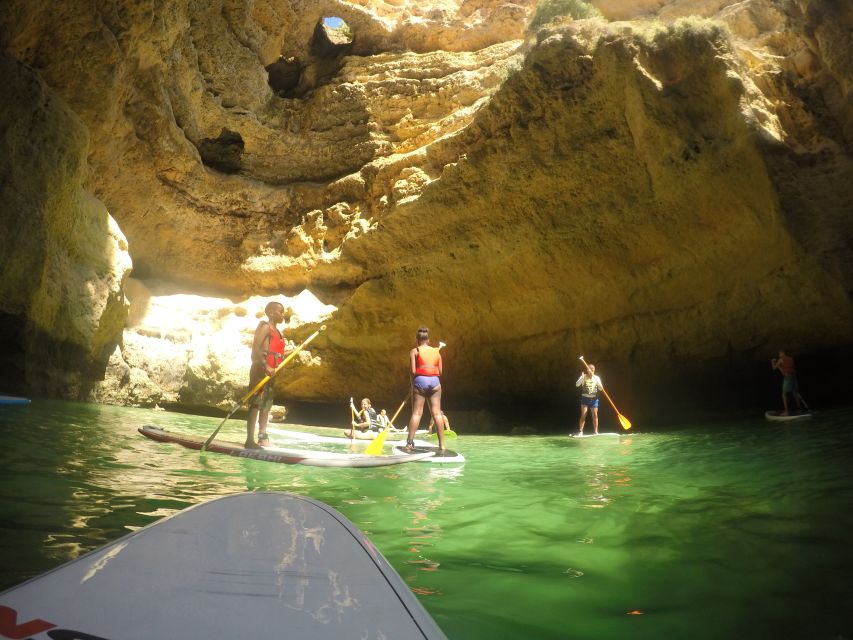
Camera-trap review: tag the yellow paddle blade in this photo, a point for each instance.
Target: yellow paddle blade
(626, 424)
(375, 447)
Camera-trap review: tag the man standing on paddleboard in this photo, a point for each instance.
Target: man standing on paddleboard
(785, 365)
(268, 351)
(589, 396)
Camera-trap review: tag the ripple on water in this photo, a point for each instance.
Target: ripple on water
(656, 535)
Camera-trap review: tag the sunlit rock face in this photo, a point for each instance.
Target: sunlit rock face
(62, 256)
(190, 351)
(669, 198)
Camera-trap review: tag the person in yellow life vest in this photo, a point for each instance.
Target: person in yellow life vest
(426, 369)
(268, 351)
(590, 386)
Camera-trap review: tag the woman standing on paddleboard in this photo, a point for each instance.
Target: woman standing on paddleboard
(425, 366)
(591, 383)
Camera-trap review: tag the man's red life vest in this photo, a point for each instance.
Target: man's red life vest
(786, 366)
(275, 348)
(427, 361)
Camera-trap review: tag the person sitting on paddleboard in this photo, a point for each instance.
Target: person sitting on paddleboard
(368, 419)
(268, 351)
(365, 420)
(432, 423)
(785, 365)
(426, 369)
(385, 421)
(591, 384)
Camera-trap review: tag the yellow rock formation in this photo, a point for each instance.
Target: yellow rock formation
(62, 255)
(668, 193)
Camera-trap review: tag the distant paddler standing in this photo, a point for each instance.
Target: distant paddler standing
(784, 364)
(589, 398)
(590, 385)
(426, 369)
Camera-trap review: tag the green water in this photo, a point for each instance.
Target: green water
(736, 530)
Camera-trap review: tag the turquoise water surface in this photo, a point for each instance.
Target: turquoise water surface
(724, 530)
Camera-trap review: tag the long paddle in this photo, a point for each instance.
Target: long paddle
(626, 424)
(261, 384)
(375, 446)
(352, 419)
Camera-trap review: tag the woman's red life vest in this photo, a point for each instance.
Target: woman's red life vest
(275, 348)
(427, 361)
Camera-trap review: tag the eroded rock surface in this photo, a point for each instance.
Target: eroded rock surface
(668, 195)
(62, 257)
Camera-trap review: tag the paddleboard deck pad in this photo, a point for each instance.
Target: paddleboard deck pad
(276, 454)
(776, 416)
(249, 565)
(436, 455)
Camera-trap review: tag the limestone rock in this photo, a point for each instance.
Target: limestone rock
(657, 193)
(182, 350)
(63, 257)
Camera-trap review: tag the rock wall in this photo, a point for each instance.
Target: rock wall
(62, 256)
(189, 351)
(669, 196)
(617, 201)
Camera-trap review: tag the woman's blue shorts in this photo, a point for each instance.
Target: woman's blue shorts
(426, 385)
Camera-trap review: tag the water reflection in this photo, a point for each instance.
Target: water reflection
(601, 531)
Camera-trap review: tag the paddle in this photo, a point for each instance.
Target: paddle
(626, 424)
(261, 384)
(375, 447)
(352, 419)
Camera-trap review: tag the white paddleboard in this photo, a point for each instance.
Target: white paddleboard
(250, 565)
(303, 436)
(776, 416)
(278, 454)
(606, 436)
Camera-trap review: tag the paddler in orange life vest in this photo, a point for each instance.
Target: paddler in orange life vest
(590, 385)
(425, 366)
(268, 351)
(785, 365)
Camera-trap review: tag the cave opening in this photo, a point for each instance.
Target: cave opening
(223, 153)
(332, 35)
(295, 77)
(284, 74)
